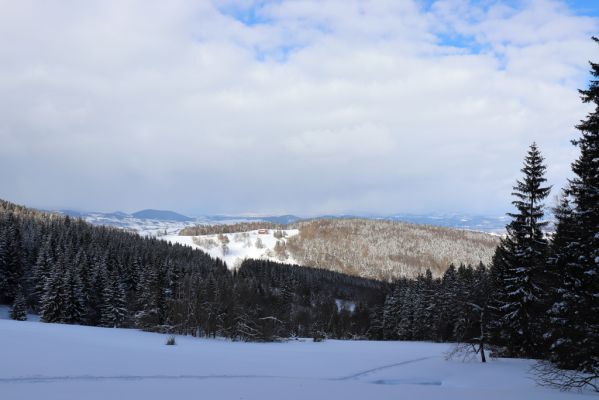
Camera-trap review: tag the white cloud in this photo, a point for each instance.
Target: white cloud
(326, 107)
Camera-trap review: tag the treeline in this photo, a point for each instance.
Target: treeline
(71, 272)
(219, 229)
(446, 309)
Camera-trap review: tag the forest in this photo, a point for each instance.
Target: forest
(375, 249)
(386, 250)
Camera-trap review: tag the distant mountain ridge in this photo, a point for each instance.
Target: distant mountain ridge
(161, 215)
(155, 222)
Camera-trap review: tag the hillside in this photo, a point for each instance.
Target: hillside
(368, 248)
(236, 246)
(72, 272)
(386, 249)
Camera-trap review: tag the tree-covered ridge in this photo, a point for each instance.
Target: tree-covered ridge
(76, 273)
(72, 272)
(387, 250)
(199, 230)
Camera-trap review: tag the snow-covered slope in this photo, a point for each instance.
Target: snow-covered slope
(239, 246)
(53, 361)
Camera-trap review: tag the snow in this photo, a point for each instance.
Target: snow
(54, 361)
(241, 245)
(345, 305)
(156, 227)
(144, 227)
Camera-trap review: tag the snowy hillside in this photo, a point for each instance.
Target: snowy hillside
(54, 361)
(233, 248)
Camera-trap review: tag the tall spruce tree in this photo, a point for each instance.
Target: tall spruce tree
(447, 310)
(74, 308)
(41, 269)
(114, 310)
(52, 301)
(575, 312)
(564, 333)
(521, 261)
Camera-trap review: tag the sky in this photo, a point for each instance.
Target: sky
(288, 106)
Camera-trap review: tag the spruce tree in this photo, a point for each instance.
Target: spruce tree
(52, 301)
(424, 307)
(19, 308)
(41, 269)
(447, 310)
(405, 326)
(521, 259)
(11, 268)
(73, 297)
(391, 313)
(114, 310)
(564, 332)
(575, 312)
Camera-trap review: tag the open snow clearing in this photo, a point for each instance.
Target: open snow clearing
(54, 361)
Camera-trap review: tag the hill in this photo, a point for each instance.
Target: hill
(376, 249)
(387, 249)
(161, 215)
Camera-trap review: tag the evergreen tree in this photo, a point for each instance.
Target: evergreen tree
(19, 308)
(74, 308)
(575, 312)
(11, 268)
(52, 301)
(391, 309)
(93, 296)
(424, 307)
(405, 326)
(521, 260)
(447, 310)
(41, 269)
(114, 309)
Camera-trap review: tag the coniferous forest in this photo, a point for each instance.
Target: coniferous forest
(539, 298)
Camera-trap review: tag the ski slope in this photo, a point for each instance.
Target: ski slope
(241, 245)
(53, 361)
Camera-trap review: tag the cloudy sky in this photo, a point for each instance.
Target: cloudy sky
(287, 106)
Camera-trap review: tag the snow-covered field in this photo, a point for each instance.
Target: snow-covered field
(52, 361)
(240, 245)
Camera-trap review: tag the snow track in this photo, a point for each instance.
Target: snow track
(44, 379)
(384, 367)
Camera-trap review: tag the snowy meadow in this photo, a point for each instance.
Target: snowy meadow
(56, 361)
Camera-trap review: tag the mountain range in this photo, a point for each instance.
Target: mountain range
(160, 222)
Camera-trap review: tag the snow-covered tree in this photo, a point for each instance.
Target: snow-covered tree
(73, 303)
(19, 307)
(114, 309)
(42, 268)
(521, 257)
(574, 331)
(52, 301)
